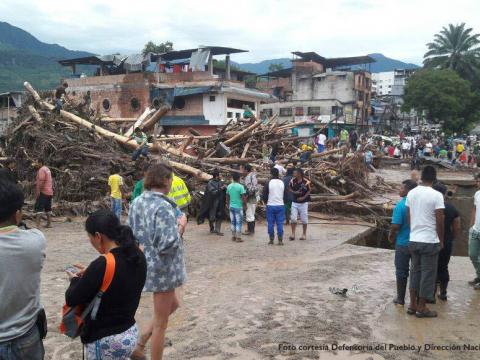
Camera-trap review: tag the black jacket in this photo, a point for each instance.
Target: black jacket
(116, 313)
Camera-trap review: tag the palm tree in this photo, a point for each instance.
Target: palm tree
(457, 49)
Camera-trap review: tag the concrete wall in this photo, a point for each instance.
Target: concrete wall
(214, 111)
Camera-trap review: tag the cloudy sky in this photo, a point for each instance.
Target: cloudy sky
(268, 28)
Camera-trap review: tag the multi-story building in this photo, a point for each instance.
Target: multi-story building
(391, 83)
(320, 89)
(200, 94)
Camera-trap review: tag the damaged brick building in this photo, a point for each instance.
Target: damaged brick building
(201, 94)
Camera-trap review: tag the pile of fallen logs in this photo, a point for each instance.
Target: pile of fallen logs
(80, 154)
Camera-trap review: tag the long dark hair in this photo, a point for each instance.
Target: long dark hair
(105, 222)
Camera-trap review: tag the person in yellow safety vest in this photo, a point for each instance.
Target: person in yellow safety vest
(179, 193)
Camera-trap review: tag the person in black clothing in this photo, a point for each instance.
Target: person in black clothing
(213, 204)
(114, 332)
(452, 231)
(8, 172)
(60, 95)
(287, 195)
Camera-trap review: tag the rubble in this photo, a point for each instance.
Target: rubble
(80, 154)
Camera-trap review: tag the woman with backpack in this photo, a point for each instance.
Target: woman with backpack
(109, 331)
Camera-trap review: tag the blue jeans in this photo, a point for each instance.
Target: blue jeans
(25, 347)
(117, 208)
(402, 262)
(275, 215)
(236, 220)
(320, 148)
(142, 150)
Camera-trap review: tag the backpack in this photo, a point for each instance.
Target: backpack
(73, 318)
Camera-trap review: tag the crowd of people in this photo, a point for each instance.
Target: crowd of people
(147, 253)
(424, 227)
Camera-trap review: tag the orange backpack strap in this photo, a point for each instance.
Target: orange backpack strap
(109, 272)
(107, 280)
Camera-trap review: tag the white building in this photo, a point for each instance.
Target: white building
(390, 82)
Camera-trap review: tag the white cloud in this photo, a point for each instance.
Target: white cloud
(268, 28)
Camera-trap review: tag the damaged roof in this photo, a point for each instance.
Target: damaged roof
(333, 62)
(184, 54)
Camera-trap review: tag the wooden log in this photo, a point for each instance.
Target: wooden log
(118, 120)
(243, 133)
(21, 125)
(101, 131)
(139, 121)
(186, 143)
(231, 161)
(189, 170)
(244, 153)
(32, 92)
(155, 118)
(327, 153)
(194, 132)
(36, 116)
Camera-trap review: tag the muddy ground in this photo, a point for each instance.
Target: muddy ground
(243, 301)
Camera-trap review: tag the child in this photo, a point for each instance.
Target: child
(236, 200)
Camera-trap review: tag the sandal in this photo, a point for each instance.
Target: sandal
(303, 238)
(411, 311)
(138, 353)
(291, 238)
(426, 314)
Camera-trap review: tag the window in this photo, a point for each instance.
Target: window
(269, 112)
(106, 104)
(156, 103)
(229, 114)
(299, 111)
(314, 110)
(212, 98)
(238, 115)
(135, 104)
(337, 110)
(238, 104)
(286, 111)
(179, 103)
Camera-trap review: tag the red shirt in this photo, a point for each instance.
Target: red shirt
(44, 181)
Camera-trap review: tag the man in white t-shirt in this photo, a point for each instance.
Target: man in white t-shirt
(474, 237)
(426, 215)
(281, 170)
(320, 140)
(273, 193)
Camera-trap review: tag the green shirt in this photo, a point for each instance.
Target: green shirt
(140, 139)
(137, 190)
(344, 135)
(235, 191)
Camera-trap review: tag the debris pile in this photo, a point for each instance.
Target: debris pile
(80, 155)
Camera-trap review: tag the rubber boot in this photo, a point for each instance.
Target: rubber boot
(218, 227)
(443, 291)
(253, 227)
(401, 290)
(272, 237)
(212, 227)
(249, 229)
(280, 240)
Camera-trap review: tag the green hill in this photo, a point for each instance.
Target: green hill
(24, 58)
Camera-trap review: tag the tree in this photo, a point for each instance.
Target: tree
(275, 67)
(158, 49)
(457, 49)
(445, 97)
